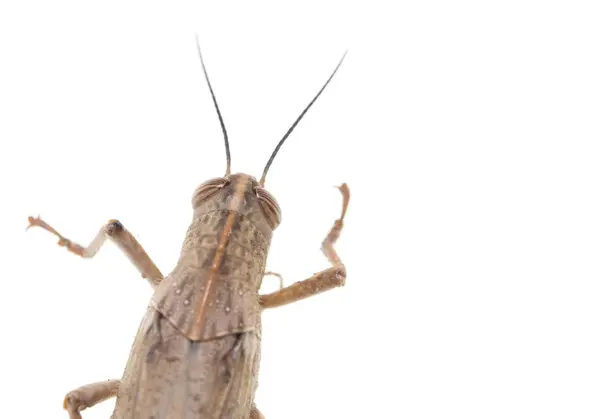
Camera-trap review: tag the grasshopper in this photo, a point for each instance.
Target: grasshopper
(197, 350)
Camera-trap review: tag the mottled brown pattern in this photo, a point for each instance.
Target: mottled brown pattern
(233, 304)
(169, 376)
(178, 370)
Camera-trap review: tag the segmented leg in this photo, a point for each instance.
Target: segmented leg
(321, 281)
(89, 395)
(277, 275)
(115, 231)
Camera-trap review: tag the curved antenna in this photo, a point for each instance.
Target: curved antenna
(228, 171)
(264, 175)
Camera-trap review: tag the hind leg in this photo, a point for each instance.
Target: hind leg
(89, 395)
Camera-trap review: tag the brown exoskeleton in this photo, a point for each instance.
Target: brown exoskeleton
(196, 353)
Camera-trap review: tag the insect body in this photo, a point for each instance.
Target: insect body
(196, 353)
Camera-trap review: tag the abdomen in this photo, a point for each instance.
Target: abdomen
(171, 377)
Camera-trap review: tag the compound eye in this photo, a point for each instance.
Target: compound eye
(269, 206)
(208, 189)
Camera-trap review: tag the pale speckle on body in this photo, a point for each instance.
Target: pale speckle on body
(209, 372)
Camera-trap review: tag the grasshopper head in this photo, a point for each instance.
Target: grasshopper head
(237, 192)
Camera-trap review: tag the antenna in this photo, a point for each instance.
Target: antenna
(264, 175)
(228, 170)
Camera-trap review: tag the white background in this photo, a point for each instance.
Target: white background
(468, 134)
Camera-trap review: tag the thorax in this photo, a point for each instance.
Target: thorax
(213, 290)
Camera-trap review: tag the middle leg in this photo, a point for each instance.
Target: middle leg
(319, 282)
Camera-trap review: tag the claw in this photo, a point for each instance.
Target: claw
(62, 241)
(32, 222)
(346, 196)
(278, 276)
(37, 221)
